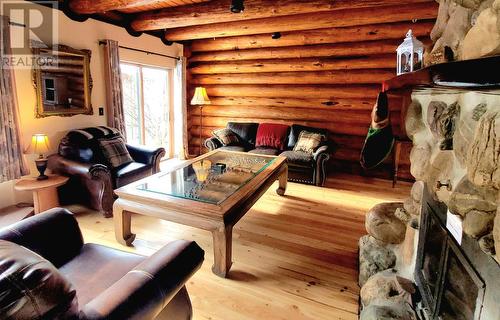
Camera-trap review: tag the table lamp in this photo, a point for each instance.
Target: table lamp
(40, 145)
(200, 98)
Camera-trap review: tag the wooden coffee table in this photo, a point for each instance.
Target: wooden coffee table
(215, 200)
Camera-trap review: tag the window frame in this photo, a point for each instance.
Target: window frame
(170, 79)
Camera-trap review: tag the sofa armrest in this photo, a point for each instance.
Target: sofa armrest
(148, 156)
(320, 151)
(212, 143)
(69, 167)
(53, 234)
(144, 291)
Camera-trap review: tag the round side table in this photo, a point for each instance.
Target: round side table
(44, 191)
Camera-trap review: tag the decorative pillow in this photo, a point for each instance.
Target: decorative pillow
(296, 129)
(308, 142)
(272, 135)
(115, 151)
(227, 137)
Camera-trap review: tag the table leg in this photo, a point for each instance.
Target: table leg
(283, 181)
(45, 199)
(122, 220)
(223, 240)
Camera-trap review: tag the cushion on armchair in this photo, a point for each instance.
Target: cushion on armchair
(115, 151)
(308, 142)
(272, 135)
(83, 144)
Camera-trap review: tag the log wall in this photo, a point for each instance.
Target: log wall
(325, 77)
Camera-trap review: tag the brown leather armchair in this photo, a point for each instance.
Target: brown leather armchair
(47, 272)
(92, 180)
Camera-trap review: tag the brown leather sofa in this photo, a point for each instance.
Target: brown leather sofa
(47, 272)
(92, 180)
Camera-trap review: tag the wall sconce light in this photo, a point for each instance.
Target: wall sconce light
(237, 6)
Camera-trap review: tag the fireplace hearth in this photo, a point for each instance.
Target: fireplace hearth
(455, 281)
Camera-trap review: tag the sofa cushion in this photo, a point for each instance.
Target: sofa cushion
(295, 131)
(272, 135)
(299, 158)
(115, 151)
(246, 131)
(227, 137)
(31, 287)
(308, 142)
(265, 151)
(233, 148)
(131, 172)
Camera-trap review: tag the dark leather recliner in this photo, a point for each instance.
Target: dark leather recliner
(302, 167)
(47, 272)
(92, 180)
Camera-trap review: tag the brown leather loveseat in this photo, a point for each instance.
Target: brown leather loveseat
(47, 272)
(92, 179)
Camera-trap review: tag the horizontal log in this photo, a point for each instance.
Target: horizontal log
(308, 103)
(288, 65)
(334, 128)
(295, 91)
(286, 113)
(128, 6)
(315, 77)
(319, 36)
(216, 11)
(308, 21)
(349, 49)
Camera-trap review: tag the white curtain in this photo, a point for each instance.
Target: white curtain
(180, 110)
(114, 98)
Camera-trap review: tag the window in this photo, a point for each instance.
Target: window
(147, 105)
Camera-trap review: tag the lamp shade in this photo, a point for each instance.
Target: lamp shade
(200, 97)
(39, 144)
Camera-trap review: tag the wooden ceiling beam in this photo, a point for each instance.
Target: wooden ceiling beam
(100, 6)
(309, 21)
(217, 11)
(319, 36)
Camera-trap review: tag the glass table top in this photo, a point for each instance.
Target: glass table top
(212, 179)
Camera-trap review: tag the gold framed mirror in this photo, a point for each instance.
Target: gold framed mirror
(62, 81)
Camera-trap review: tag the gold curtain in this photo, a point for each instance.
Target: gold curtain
(114, 98)
(12, 162)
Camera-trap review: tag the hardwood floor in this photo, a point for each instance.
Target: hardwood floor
(295, 257)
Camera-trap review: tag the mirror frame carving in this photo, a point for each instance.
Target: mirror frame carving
(87, 81)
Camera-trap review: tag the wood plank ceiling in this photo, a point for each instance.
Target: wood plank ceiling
(324, 71)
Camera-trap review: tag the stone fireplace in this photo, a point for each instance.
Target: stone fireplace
(456, 281)
(436, 256)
